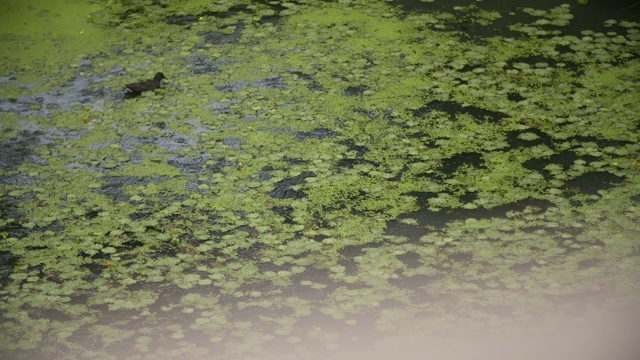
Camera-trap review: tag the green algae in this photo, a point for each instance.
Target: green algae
(198, 234)
(56, 36)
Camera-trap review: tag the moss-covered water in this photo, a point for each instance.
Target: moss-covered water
(312, 178)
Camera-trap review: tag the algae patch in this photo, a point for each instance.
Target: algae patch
(310, 170)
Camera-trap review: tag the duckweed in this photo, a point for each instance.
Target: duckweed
(308, 169)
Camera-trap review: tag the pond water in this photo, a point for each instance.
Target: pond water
(350, 179)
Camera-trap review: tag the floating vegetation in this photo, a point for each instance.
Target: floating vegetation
(310, 172)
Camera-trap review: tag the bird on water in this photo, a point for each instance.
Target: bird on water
(146, 85)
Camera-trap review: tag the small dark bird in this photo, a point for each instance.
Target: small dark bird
(146, 85)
